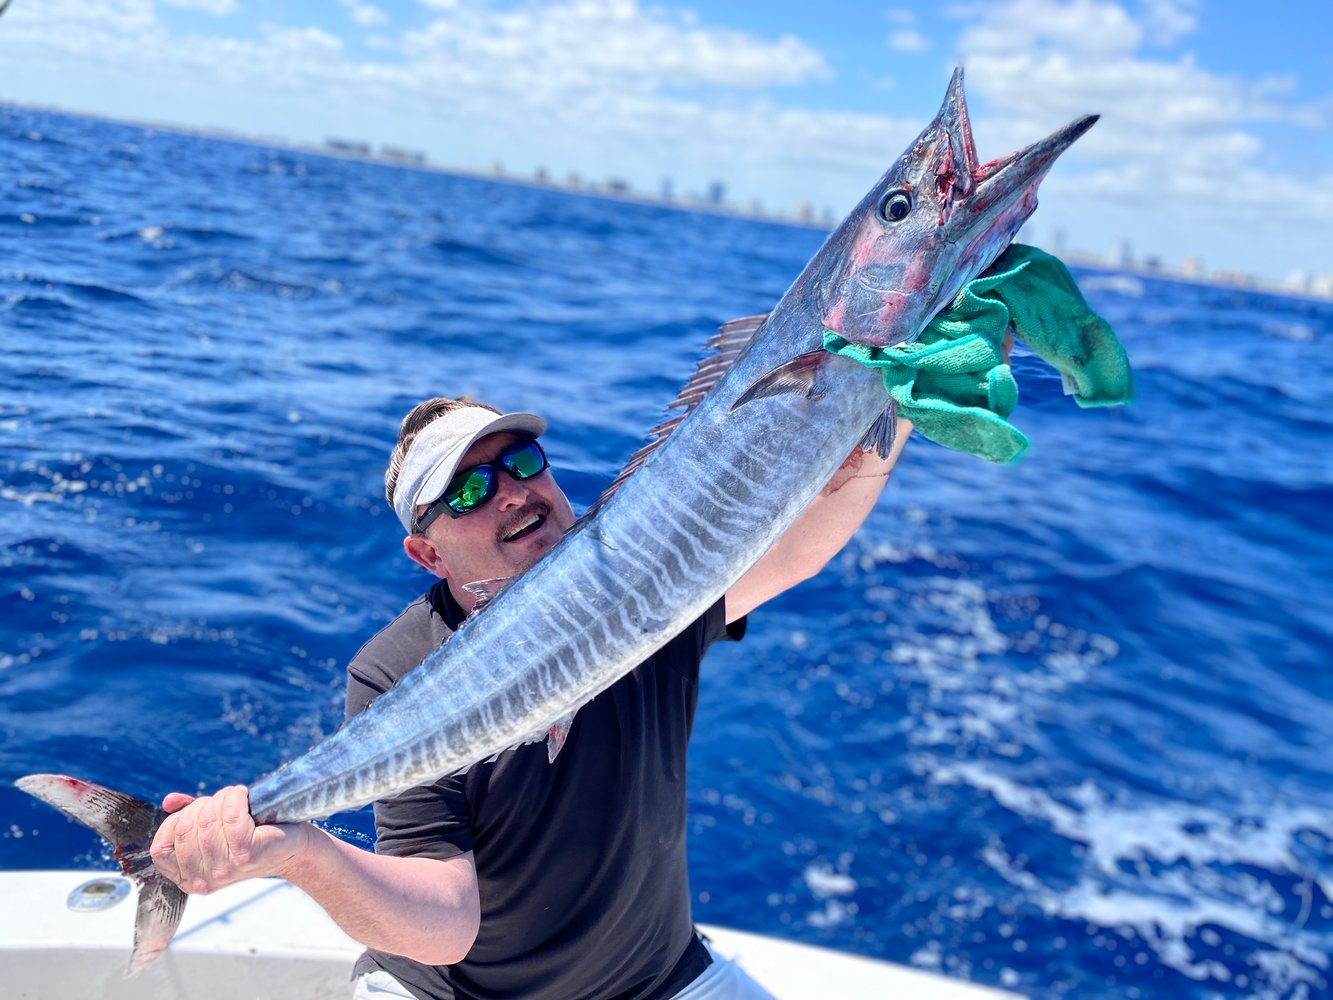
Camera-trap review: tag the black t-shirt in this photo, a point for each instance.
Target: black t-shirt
(581, 862)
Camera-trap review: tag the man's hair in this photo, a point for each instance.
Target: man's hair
(412, 425)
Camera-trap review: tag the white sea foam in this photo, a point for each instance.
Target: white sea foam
(828, 885)
(1299, 332)
(823, 881)
(1120, 284)
(1178, 881)
(1170, 874)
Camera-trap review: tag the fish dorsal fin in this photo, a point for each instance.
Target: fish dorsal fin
(728, 343)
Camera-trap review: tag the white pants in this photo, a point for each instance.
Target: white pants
(723, 980)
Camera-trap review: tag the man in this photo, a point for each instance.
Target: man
(520, 877)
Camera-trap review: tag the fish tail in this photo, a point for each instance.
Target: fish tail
(128, 824)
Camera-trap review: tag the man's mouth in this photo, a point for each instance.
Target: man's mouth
(527, 523)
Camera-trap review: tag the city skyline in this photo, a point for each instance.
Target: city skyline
(1214, 143)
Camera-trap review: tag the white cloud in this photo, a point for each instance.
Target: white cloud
(1034, 27)
(1168, 21)
(365, 14)
(908, 40)
(218, 8)
(608, 43)
(1172, 133)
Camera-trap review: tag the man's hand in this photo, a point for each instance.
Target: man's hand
(425, 909)
(211, 842)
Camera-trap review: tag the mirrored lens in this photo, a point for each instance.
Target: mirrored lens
(524, 460)
(470, 490)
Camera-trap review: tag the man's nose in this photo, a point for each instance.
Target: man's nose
(510, 493)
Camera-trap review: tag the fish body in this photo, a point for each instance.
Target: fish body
(768, 423)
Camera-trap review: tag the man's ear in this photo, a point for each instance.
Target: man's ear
(423, 552)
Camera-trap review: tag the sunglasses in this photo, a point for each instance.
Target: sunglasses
(474, 486)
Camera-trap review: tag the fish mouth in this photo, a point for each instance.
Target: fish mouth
(971, 193)
(526, 522)
(1017, 174)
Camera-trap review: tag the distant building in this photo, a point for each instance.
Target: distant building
(542, 176)
(1192, 267)
(668, 190)
(617, 185)
(1120, 254)
(396, 154)
(347, 147)
(1229, 277)
(717, 193)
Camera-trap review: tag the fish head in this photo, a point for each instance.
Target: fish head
(936, 219)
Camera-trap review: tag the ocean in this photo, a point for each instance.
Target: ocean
(1064, 726)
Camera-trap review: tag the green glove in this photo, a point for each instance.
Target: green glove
(952, 382)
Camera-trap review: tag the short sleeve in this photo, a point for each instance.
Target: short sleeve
(429, 821)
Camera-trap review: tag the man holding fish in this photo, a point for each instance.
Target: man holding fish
(524, 876)
(509, 868)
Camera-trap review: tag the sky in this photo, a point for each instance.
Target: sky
(1215, 142)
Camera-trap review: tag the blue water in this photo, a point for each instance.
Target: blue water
(1063, 726)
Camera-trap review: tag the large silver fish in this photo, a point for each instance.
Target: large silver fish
(767, 422)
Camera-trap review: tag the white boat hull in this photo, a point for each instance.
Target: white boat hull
(265, 940)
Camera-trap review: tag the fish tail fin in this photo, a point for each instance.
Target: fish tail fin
(129, 824)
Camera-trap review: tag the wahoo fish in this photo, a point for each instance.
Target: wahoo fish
(765, 422)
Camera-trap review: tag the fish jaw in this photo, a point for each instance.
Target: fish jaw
(936, 219)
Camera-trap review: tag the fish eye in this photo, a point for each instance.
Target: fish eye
(895, 206)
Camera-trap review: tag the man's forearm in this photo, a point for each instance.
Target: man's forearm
(420, 908)
(821, 530)
(825, 527)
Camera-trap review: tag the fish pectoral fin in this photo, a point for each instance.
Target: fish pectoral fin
(800, 376)
(556, 735)
(882, 432)
(485, 591)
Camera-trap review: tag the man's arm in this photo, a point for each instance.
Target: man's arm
(821, 530)
(424, 909)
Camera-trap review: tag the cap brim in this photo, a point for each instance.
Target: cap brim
(434, 484)
(431, 483)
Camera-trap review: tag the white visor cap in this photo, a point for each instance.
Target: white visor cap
(439, 447)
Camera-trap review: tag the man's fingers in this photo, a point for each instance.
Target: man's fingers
(238, 829)
(164, 850)
(214, 862)
(176, 801)
(186, 842)
(212, 841)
